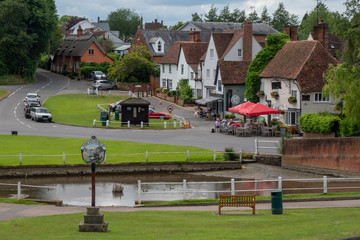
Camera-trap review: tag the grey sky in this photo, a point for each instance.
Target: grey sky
(172, 11)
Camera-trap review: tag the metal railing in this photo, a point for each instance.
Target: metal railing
(185, 190)
(21, 186)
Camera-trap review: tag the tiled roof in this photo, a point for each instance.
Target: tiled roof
(102, 25)
(221, 41)
(134, 101)
(233, 72)
(304, 61)
(172, 55)
(194, 51)
(236, 36)
(76, 46)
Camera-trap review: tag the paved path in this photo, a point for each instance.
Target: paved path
(11, 211)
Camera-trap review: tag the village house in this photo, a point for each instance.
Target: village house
(76, 49)
(293, 80)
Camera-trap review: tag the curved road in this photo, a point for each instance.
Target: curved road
(49, 84)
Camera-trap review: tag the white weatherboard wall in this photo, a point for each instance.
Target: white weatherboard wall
(156, 43)
(167, 75)
(187, 69)
(232, 55)
(210, 64)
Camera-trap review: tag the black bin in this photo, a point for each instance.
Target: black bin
(103, 118)
(276, 202)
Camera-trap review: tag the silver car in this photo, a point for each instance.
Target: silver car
(40, 114)
(97, 75)
(32, 97)
(104, 84)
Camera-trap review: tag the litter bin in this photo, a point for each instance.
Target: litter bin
(103, 118)
(276, 202)
(117, 115)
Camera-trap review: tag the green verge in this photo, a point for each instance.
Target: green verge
(2, 93)
(334, 223)
(258, 198)
(38, 145)
(21, 201)
(82, 109)
(12, 80)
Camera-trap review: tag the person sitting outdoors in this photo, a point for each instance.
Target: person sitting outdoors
(231, 122)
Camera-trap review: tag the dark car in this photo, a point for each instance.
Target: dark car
(28, 106)
(97, 75)
(153, 114)
(115, 106)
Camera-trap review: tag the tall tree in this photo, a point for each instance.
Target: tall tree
(125, 21)
(353, 11)
(274, 43)
(238, 16)
(177, 26)
(196, 17)
(253, 16)
(225, 14)
(212, 15)
(265, 17)
(282, 17)
(25, 31)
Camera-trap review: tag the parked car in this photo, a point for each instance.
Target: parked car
(40, 114)
(115, 106)
(153, 114)
(104, 84)
(97, 75)
(32, 97)
(28, 106)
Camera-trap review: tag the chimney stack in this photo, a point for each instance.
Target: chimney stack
(104, 42)
(247, 40)
(321, 33)
(98, 19)
(67, 32)
(79, 31)
(194, 36)
(291, 31)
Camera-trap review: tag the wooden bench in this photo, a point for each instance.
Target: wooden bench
(236, 201)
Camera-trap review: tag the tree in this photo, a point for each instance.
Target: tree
(196, 17)
(281, 17)
(135, 66)
(125, 21)
(25, 29)
(238, 16)
(265, 17)
(253, 17)
(212, 16)
(274, 43)
(177, 26)
(225, 14)
(353, 11)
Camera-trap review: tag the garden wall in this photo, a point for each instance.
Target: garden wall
(340, 154)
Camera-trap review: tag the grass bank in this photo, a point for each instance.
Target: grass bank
(13, 80)
(46, 146)
(2, 93)
(82, 109)
(302, 224)
(21, 201)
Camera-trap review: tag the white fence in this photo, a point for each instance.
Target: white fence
(189, 188)
(259, 142)
(21, 186)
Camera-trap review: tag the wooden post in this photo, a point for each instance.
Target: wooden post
(93, 184)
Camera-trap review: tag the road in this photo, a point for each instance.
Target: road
(49, 84)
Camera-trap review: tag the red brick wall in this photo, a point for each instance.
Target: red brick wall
(98, 56)
(341, 154)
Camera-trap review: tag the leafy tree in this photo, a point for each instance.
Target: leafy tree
(125, 21)
(25, 29)
(238, 16)
(274, 43)
(225, 14)
(108, 43)
(353, 11)
(253, 17)
(212, 15)
(265, 17)
(135, 66)
(196, 17)
(282, 17)
(184, 89)
(177, 26)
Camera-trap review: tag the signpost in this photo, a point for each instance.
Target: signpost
(93, 152)
(170, 109)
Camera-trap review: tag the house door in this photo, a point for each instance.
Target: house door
(228, 99)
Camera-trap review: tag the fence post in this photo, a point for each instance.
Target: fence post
(240, 155)
(280, 183)
(256, 185)
(107, 123)
(184, 189)
(105, 158)
(19, 191)
(94, 122)
(147, 156)
(232, 186)
(141, 124)
(181, 124)
(325, 184)
(214, 155)
(174, 124)
(20, 159)
(164, 124)
(63, 158)
(188, 155)
(88, 91)
(128, 124)
(256, 147)
(57, 193)
(139, 192)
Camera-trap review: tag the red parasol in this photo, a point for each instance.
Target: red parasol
(241, 107)
(259, 109)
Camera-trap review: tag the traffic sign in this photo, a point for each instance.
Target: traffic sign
(170, 109)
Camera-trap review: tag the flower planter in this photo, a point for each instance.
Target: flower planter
(260, 93)
(292, 100)
(274, 94)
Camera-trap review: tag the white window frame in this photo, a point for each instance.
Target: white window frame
(170, 84)
(219, 85)
(159, 46)
(91, 51)
(164, 83)
(207, 72)
(239, 52)
(163, 68)
(169, 68)
(319, 98)
(211, 53)
(182, 69)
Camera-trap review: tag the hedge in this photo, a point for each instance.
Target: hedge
(319, 123)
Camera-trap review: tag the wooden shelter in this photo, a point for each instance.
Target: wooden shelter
(135, 110)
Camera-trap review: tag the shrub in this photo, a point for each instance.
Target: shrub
(158, 90)
(280, 145)
(319, 123)
(164, 90)
(347, 128)
(230, 155)
(171, 93)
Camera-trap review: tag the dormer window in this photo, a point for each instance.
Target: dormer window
(159, 46)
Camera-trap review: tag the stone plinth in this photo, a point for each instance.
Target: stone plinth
(93, 221)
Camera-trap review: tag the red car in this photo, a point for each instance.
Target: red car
(158, 115)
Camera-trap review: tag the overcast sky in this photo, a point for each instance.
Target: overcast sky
(173, 11)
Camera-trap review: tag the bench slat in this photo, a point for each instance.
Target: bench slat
(237, 201)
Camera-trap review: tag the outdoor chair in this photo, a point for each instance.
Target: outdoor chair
(230, 129)
(239, 131)
(247, 130)
(265, 131)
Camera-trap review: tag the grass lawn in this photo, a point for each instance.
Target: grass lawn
(15, 201)
(82, 109)
(335, 223)
(12, 80)
(16, 144)
(2, 92)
